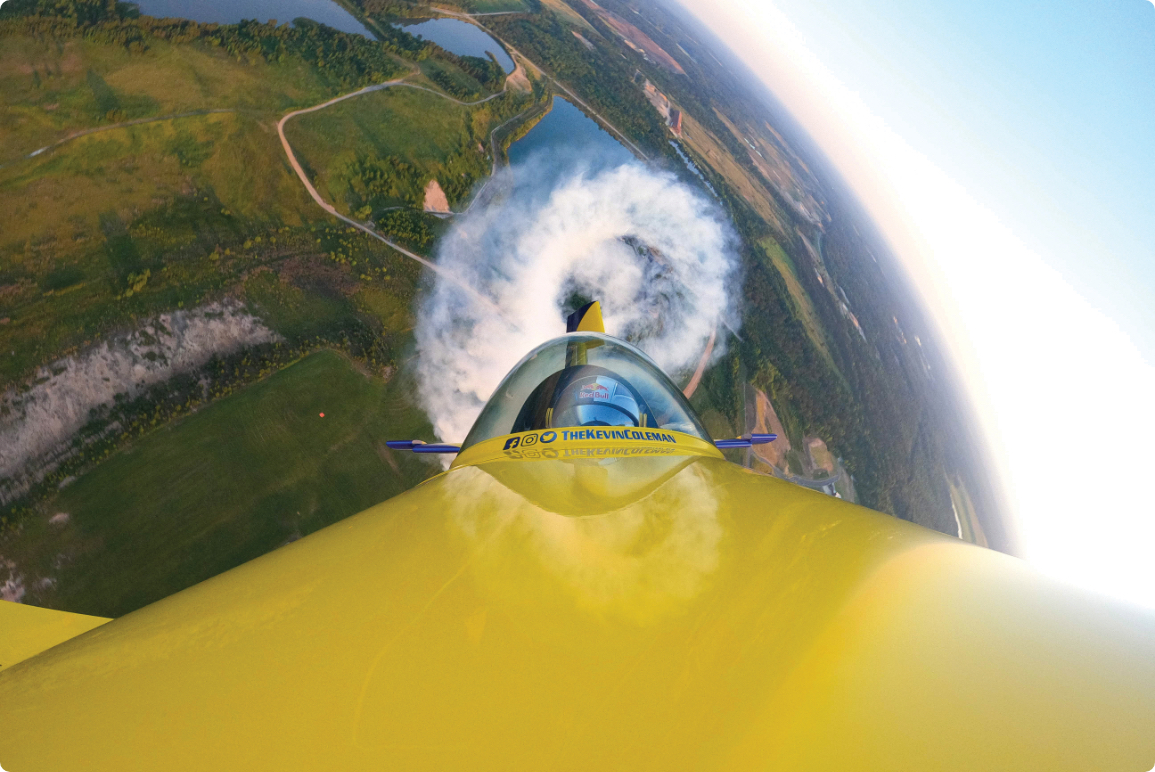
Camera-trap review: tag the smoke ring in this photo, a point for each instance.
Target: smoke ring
(659, 256)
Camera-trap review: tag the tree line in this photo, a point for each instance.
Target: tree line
(601, 76)
(350, 59)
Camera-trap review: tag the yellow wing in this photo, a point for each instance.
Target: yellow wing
(26, 630)
(651, 611)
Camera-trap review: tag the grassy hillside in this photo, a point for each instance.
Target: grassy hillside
(161, 197)
(139, 211)
(181, 210)
(138, 208)
(81, 82)
(380, 150)
(176, 209)
(241, 477)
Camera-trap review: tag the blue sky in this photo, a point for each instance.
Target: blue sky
(1007, 153)
(1047, 109)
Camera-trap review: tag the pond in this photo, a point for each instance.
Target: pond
(232, 11)
(566, 132)
(459, 37)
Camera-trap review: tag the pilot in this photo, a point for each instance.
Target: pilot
(599, 401)
(583, 395)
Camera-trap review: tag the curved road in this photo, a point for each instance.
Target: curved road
(359, 226)
(300, 172)
(694, 381)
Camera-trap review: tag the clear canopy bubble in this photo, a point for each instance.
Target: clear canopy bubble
(585, 379)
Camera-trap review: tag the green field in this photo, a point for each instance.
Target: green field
(197, 201)
(802, 302)
(241, 477)
(421, 127)
(494, 6)
(50, 91)
(183, 210)
(381, 149)
(57, 199)
(163, 197)
(129, 221)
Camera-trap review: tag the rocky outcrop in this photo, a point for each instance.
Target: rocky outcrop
(38, 420)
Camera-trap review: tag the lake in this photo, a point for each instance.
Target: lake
(567, 131)
(455, 36)
(459, 37)
(232, 11)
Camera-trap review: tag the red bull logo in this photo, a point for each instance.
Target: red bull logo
(594, 391)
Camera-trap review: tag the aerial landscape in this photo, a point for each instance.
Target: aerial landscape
(572, 384)
(238, 253)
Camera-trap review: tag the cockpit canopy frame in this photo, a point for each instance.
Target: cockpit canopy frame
(585, 376)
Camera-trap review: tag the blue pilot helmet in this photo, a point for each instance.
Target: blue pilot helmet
(597, 400)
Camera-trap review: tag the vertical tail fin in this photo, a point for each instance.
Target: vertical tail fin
(588, 318)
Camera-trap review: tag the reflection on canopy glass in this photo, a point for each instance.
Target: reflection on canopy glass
(585, 379)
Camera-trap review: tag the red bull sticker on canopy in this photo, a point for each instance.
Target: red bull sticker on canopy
(594, 391)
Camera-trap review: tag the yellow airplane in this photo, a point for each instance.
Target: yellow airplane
(590, 586)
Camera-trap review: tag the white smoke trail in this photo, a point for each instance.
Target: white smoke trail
(530, 252)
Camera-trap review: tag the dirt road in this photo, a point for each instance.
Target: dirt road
(360, 226)
(121, 125)
(692, 386)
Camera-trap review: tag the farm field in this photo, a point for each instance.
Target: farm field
(245, 475)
